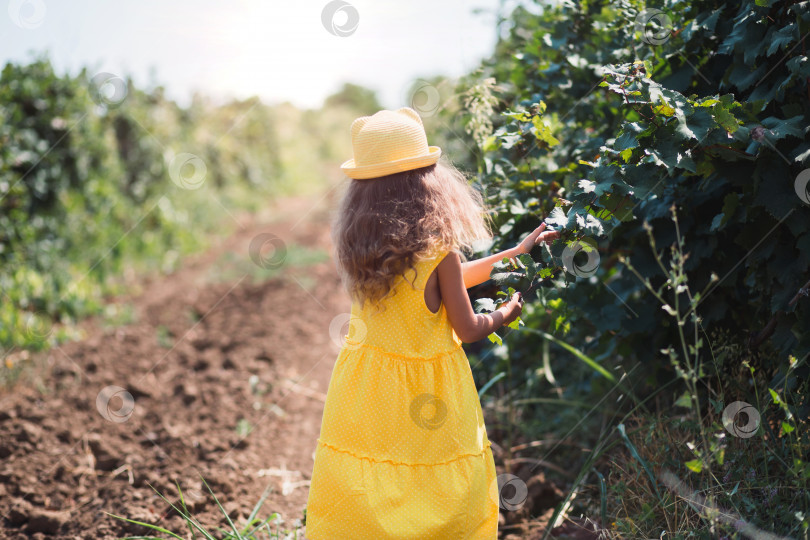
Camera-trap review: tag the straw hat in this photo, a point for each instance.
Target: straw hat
(388, 142)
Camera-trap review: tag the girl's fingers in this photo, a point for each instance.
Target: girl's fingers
(545, 237)
(535, 233)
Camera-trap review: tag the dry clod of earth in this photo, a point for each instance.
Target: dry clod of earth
(204, 366)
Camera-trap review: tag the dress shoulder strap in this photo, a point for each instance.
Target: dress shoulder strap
(424, 268)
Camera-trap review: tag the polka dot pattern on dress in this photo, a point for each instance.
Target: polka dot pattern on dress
(403, 451)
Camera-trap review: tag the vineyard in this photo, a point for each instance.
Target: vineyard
(670, 146)
(657, 384)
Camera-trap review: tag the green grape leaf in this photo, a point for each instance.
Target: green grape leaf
(485, 305)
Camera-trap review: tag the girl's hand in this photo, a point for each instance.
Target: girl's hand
(537, 236)
(513, 308)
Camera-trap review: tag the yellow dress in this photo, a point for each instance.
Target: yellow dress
(403, 451)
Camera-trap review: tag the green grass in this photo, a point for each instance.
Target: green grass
(115, 315)
(657, 461)
(164, 337)
(254, 527)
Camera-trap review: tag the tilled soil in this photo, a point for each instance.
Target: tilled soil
(223, 381)
(217, 380)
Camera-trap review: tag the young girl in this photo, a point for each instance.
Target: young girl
(403, 451)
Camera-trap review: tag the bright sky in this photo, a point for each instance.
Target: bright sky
(277, 50)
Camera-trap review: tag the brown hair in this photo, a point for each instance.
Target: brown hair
(385, 225)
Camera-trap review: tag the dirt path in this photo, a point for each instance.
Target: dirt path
(222, 375)
(227, 381)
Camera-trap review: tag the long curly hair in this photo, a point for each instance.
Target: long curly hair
(385, 225)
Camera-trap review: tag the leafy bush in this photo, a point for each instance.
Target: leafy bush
(611, 118)
(631, 145)
(101, 181)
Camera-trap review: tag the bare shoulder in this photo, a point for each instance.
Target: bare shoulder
(449, 269)
(451, 260)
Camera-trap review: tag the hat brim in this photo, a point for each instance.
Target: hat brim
(383, 169)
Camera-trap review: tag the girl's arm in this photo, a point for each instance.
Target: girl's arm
(477, 271)
(468, 325)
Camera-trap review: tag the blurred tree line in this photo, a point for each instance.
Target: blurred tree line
(100, 180)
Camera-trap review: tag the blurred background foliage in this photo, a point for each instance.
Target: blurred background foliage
(87, 200)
